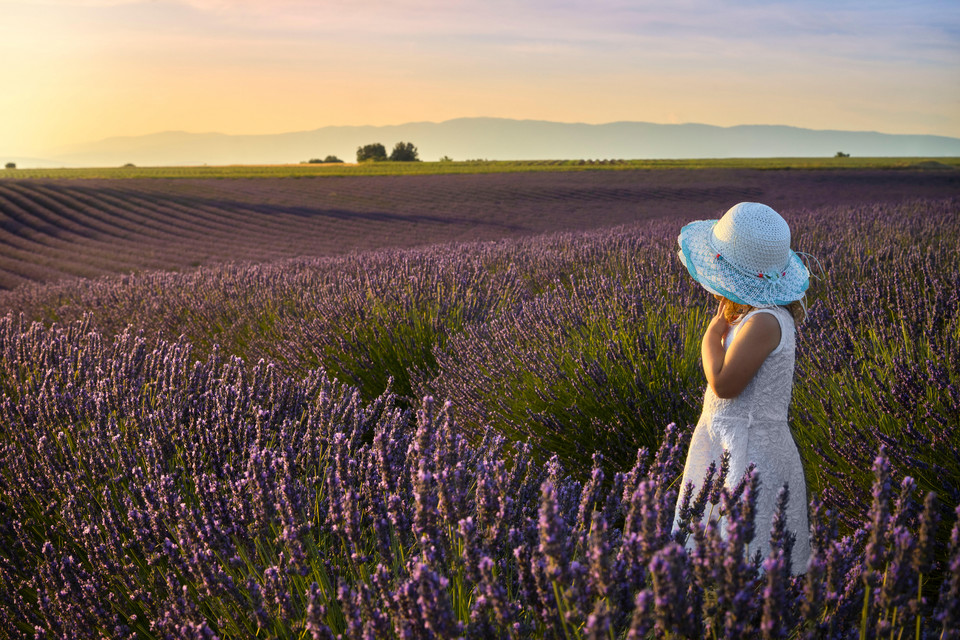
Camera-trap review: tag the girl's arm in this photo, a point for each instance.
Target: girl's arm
(730, 371)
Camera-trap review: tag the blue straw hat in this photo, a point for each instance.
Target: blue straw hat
(745, 256)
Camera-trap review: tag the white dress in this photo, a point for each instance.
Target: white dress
(753, 427)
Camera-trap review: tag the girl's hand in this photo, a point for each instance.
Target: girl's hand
(730, 370)
(719, 327)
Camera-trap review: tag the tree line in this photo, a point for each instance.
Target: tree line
(376, 152)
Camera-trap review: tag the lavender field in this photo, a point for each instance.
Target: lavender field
(53, 229)
(480, 437)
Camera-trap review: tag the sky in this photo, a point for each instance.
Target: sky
(84, 70)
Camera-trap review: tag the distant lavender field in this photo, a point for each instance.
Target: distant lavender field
(54, 229)
(482, 439)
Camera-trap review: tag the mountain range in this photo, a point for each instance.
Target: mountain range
(498, 139)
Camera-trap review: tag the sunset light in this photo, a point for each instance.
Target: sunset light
(80, 71)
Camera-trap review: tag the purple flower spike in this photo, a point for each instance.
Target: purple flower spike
(670, 575)
(598, 622)
(718, 482)
(553, 535)
(948, 606)
(599, 557)
(316, 612)
(776, 622)
(643, 618)
(876, 554)
(782, 538)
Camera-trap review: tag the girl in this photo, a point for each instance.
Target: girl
(745, 260)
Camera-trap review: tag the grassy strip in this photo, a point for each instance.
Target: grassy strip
(481, 166)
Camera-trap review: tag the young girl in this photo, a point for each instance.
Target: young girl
(745, 260)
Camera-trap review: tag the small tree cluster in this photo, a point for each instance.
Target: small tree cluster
(327, 160)
(376, 152)
(11, 165)
(404, 152)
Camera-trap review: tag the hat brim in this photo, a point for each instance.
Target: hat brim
(718, 276)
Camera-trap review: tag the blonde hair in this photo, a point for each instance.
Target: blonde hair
(734, 311)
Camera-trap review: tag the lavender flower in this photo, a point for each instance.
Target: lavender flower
(554, 544)
(153, 485)
(948, 604)
(670, 577)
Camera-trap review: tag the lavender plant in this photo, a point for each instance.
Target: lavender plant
(164, 487)
(147, 493)
(593, 334)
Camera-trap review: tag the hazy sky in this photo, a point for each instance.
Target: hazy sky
(82, 70)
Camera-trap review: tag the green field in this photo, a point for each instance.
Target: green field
(479, 166)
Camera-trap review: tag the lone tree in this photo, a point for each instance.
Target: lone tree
(374, 152)
(841, 154)
(404, 152)
(11, 165)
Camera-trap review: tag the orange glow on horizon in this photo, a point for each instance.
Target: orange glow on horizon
(94, 69)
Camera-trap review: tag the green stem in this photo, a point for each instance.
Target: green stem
(919, 605)
(863, 614)
(563, 617)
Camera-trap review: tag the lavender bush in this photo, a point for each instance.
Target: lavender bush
(85, 223)
(164, 488)
(595, 335)
(149, 494)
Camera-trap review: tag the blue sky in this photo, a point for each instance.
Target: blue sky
(88, 69)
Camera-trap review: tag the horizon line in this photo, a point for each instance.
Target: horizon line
(519, 120)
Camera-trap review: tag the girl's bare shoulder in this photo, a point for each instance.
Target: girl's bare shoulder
(760, 330)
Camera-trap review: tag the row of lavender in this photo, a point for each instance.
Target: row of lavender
(588, 342)
(147, 494)
(583, 342)
(57, 229)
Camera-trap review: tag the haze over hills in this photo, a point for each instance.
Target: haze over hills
(498, 139)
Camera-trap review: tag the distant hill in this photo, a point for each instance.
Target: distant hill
(504, 139)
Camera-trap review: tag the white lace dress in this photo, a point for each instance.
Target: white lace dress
(753, 427)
